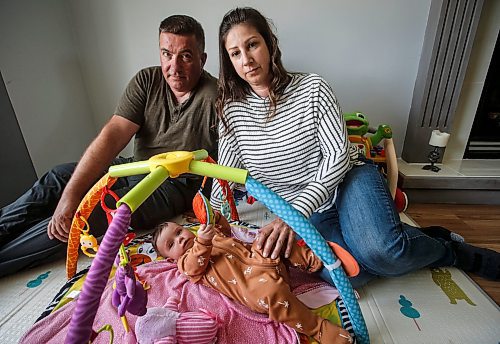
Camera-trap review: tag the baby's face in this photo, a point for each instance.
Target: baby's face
(174, 240)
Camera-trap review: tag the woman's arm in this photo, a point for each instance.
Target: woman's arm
(334, 144)
(227, 157)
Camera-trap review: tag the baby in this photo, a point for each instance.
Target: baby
(240, 271)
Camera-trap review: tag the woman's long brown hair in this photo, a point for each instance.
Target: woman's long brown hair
(231, 87)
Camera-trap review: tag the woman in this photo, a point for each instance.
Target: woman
(287, 130)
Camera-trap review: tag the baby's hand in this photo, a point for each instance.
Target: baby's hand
(206, 232)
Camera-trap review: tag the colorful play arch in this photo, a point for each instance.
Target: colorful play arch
(159, 168)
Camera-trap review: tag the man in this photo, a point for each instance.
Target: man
(167, 108)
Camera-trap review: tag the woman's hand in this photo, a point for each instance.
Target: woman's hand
(274, 236)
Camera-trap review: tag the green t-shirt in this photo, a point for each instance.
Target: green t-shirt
(164, 125)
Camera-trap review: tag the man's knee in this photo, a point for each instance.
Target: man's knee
(63, 170)
(57, 177)
(13, 262)
(30, 249)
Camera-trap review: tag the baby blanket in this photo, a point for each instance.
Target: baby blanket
(240, 324)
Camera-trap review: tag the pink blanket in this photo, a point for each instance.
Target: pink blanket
(240, 324)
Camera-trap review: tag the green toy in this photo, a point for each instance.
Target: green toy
(357, 128)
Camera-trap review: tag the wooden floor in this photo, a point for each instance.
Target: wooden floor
(478, 224)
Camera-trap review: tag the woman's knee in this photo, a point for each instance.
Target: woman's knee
(384, 259)
(364, 185)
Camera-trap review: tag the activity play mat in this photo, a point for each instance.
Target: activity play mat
(429, 306)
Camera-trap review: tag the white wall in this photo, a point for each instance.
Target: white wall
(368, 50)
(40, 67)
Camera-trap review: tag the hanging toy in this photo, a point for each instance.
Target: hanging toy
(202, 208)
(84, 210)
(129, 294)
(225, 208)
(228, 205)
(109, 211)
(88, 243)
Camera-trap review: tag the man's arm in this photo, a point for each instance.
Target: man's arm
(113, 137)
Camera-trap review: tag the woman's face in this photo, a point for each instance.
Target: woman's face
(250, 56)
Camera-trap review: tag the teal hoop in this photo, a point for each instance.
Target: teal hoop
(315, 241)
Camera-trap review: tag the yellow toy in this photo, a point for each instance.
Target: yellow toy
(88, 242)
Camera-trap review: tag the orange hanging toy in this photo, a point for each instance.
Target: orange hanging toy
(201, 207)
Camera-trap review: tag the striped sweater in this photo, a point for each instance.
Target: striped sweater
(302, 153)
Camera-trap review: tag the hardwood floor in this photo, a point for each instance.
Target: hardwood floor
(478, 224)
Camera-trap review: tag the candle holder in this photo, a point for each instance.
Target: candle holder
(438, 140)
(433, 158)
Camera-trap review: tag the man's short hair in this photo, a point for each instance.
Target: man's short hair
(184, 25)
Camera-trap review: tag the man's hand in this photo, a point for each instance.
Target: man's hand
(206, 232)
(113, 137)
(60, 223)
(274, 236)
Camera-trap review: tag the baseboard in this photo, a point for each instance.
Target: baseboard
(451, 189)
(486, 197)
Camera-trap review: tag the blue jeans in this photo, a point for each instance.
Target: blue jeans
(365, 222)
(24, 241)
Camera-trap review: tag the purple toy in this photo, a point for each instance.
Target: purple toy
(129, 294)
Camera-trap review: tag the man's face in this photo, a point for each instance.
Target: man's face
(174, 240)
(181, 61)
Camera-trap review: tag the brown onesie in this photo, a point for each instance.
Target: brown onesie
(240, 272)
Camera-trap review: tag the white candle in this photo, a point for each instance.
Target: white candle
(439, 139)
